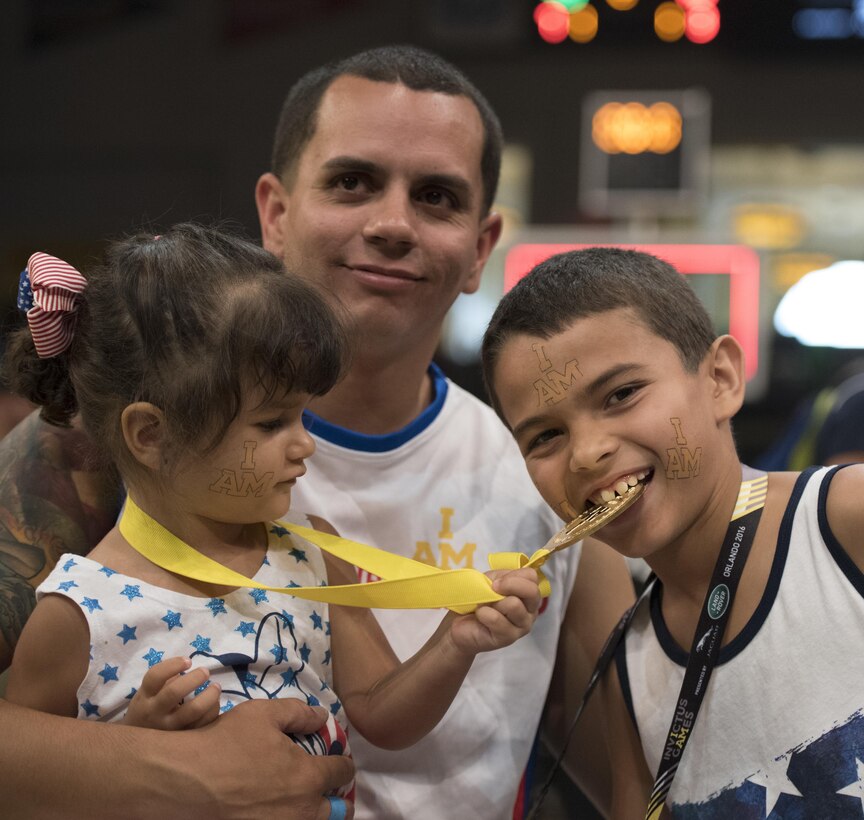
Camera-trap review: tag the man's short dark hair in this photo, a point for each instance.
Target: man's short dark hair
(412, 67)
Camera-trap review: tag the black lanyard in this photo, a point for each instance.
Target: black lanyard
(709, 634)
(703, 654)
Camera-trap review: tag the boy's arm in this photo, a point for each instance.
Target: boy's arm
(60, 767)
(631, 779)
(53, 499)
(603, 590)
(394, 704)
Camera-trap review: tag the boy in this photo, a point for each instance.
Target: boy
(605, 367)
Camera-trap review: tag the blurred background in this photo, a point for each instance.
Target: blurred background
(725, 135)
(728, 129)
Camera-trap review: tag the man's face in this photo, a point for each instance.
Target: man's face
(385, 207)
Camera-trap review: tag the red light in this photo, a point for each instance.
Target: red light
(702, 20)
(553, 22)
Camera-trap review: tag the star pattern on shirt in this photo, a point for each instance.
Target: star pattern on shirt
(90, 709)
(153, 656)
(131, 591)
(69, 564)
(127, 634)
(65, 586)
(279, 530)
(298, 555)
(107, 571)
(201, 644)
(305, 652)
(856, 788)
(290, 677)
(92, 604)
(259, 596)
(172, 619)
(108, 673)
(279, 653)
(287, 618)
(317, 622)
(776, 782)
(246, 628)
(216, 606)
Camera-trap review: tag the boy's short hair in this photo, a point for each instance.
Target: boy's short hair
(578, 284)
(412, 67)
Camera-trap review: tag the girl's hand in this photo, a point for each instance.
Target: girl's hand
(492, 626)
(158, 704)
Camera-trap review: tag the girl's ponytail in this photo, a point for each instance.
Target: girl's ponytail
(36, 362)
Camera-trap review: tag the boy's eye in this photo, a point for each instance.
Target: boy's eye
(540, 439)
(622, 394)
(269, 425)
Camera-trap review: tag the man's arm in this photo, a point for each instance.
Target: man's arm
(602, 592)
(55, 497)
(242, 765)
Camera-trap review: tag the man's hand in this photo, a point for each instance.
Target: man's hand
(244, 765)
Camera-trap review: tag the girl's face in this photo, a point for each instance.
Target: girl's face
(248, 476)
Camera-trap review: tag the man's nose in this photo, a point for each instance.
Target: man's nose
(392, 221)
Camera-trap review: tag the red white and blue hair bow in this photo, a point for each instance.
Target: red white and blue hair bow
(49, 291)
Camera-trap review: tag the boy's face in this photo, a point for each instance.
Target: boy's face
(608, 401)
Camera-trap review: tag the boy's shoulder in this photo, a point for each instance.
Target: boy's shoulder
(845, 511)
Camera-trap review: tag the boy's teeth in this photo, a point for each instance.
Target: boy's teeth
(619, 488)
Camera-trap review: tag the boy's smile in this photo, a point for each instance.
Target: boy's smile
(606, 403)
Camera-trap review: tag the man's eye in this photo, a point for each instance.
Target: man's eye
(348, 182)
(438, 198)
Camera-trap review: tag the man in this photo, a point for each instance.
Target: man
(385, 169)
(383, 175)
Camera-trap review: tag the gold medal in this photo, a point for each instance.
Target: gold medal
(592, 520)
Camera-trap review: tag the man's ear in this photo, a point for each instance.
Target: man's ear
(144, 432)
(490, 233)
(271, 199)
(725, 360)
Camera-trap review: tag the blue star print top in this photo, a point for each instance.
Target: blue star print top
(256, 643)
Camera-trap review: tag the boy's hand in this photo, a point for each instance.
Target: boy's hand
(492, 626)
(158, 704)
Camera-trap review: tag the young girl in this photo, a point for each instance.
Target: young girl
(190, 358)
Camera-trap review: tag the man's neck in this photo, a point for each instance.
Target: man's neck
(375, 399)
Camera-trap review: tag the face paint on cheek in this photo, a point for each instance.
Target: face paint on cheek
(681, 461)
(247, 483)
(553, 384)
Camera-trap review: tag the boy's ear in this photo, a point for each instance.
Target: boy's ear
(725, 360)
(143, 426)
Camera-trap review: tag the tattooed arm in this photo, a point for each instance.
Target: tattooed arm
(53, 499)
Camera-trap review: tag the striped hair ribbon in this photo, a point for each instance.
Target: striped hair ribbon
(56, 288)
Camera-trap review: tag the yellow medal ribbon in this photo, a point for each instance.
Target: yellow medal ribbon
(405, 584)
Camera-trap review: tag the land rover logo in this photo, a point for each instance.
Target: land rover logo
(718, 600)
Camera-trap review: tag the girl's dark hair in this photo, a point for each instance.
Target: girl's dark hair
(578, 284)
(189, 321)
